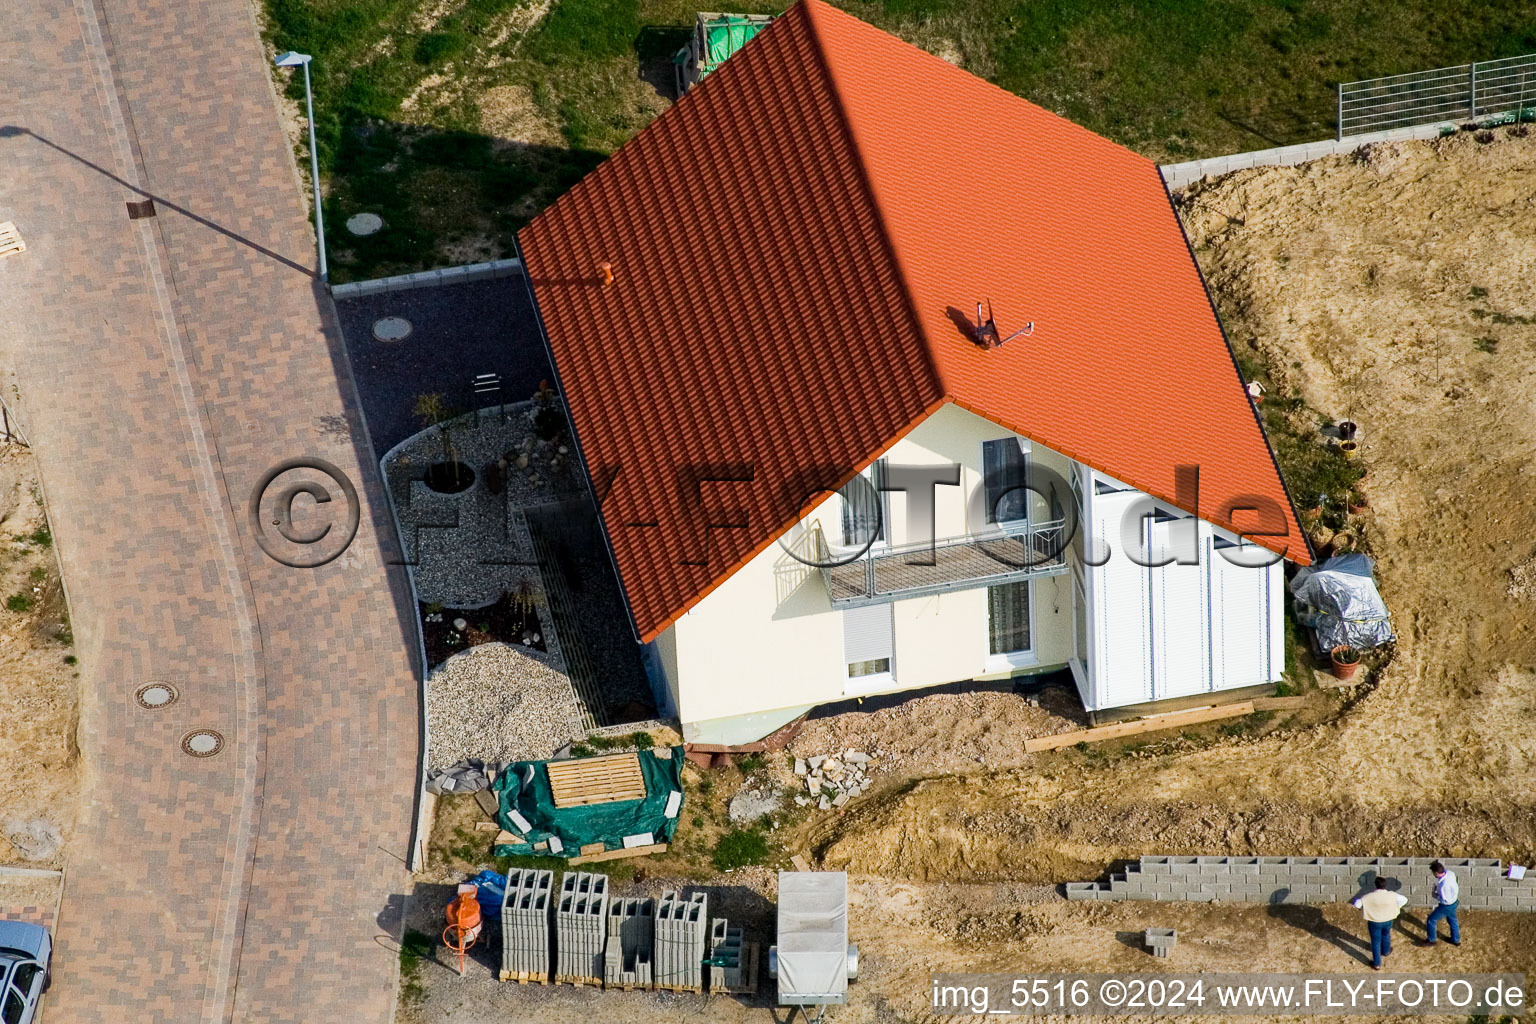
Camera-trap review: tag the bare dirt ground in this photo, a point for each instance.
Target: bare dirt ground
(1393, 288)
(39, 702)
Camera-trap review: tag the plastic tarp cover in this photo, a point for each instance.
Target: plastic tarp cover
(722, 38)
(1351, 612)
(524, 787)
(813, 938)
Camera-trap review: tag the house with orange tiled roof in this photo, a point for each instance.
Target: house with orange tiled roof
(886, 378)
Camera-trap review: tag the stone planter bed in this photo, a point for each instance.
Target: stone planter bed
(508, 621)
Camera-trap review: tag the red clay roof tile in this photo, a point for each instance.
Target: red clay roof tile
(793, 243)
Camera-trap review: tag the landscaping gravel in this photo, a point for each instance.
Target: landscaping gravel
(467, 548)
(498, 703)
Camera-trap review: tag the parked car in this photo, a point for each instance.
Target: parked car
(25, 950)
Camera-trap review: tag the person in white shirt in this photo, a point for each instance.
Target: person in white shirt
(1381, 907)
(1447, 894)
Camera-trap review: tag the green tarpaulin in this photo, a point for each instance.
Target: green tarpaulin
(725, 36)
(524, 788)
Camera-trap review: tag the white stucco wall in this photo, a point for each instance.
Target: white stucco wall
(769, 640)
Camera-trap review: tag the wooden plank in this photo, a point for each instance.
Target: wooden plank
(1278, 703)
(505, 838)
(638, 851)
(800, 863)
(1152, 723)
(487, 826)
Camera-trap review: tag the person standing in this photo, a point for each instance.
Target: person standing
(1447, 894)
(1381, 907)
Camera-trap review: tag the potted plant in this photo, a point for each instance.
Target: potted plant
(1358, 502)
(1349, 449)
(1345, 661)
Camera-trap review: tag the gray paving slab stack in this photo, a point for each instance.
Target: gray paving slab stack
(681, 930)
(581, 927)
(1485, 884)
(631, 939)
(725, 953)
(526, 926)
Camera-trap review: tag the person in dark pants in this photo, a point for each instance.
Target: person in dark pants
(1447, 895)
(1381, 907)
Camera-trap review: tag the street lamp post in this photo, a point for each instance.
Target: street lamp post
(289, 60)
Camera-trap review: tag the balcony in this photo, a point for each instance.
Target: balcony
(961, 563)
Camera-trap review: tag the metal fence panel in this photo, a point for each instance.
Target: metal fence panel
(1490, 88)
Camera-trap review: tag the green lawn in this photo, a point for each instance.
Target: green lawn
(458, 120)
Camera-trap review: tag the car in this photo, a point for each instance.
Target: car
(25, 950)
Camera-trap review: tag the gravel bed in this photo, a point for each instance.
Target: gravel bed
(498, 703)
(468, 548)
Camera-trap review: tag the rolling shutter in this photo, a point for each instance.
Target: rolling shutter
(867, 633)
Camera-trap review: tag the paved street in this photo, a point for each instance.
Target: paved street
(163, 366)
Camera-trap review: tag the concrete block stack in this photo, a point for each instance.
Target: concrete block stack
(681, 930)
(727, 951)
(1160, 941)
(581, 928)
(1485, 884)
(631, 938)
(525, 926)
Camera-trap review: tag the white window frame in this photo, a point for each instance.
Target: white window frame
(883, 497)
(875, 682)
(1027, 658)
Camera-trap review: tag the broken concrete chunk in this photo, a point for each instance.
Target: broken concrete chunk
(815, 762)
(840, 799)
(824, 804)
(800, 766)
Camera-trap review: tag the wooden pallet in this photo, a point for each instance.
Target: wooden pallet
(749, 963)
(596, 780)
(697, 990)
(525, 977)
(619, 986)
(579, 980)
(10, 240)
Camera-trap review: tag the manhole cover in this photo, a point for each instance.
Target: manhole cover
(202, 743)
(156, 695)
(392, 328)
(364, 223)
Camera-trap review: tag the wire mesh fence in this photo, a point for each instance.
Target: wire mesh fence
(1485, 90)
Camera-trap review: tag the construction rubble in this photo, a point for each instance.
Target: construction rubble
(832, 780)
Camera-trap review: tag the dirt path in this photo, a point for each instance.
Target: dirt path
(1393, 288)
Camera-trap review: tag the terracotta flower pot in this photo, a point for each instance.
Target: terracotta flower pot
(1344, 669)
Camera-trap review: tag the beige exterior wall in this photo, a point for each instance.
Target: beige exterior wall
(768, 638)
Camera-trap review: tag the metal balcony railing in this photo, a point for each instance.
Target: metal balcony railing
(886, 573)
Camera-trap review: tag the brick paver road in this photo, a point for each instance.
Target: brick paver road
(164, 364)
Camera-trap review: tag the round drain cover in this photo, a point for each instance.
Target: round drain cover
(364, 223)
(156, 695)
(392, 328)
(202, 743)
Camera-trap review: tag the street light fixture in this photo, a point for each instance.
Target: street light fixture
(291, 60)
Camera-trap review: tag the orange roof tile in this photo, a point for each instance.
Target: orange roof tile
(792, 245)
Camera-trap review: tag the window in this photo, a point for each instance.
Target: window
(868, 646)
(864, 507)
(25, 975)
(1008, 619)
(1005, 470)
(14, 1008)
